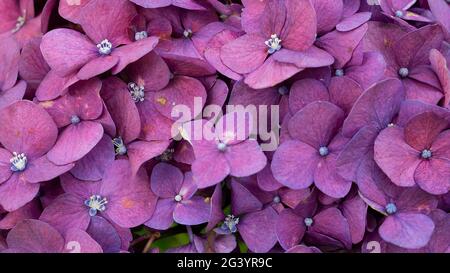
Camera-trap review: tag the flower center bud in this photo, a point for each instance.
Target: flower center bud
(283, 90)
(221, 146)
(18, 162)
(136, 91)
(119, 146)
(339, 72)
(399, 13)
(104, 47)
(426, 154)
(230, 224)
(403, 72)
(323, 151)
(75, 119)
(140, 35)
(273, 43)
(391, 208)
(276, 199)
(19, 23)
(96, 203)
(187, 33)
(308, 221)
(178, 198)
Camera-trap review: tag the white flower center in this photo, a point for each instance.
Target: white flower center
(140, 35)
(96, 203)
(136, 91)
(273, 43)
(20, 22)
(104, 47)
(187, 33)
(18, 162)
(178, 198)
(119, 146)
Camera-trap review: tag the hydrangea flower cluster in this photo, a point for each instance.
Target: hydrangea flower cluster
(93, 158)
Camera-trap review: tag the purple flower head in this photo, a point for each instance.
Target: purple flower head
(105, 46)
(177, 200)
(276, 45)
(315, 144)
(10, 89)
(77, 113)
(423, 147)
(406, 224)
(407, 58)
(24, 161)
(34, 236)
(228, 146)
(122, 198)
(326, 227)
(374, 110)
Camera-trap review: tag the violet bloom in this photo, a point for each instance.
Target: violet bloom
(34, 236)
(191, 32)
(276, 45)
(177, 200)
(156, 92)
(374, 110)
(311, 154)
(105, 46)
(126, 117)
(255, 224)
(24, 161)
(417, 154)
(406, 223)
(18, 20)
(223, 150)
(407, 58)
(10, 89)
(78, 113)
(123, 199)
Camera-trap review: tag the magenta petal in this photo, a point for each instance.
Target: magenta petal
(75, 142)
(79, 241)
(105, 234)
(194, 211)
(245, 54)
(327, 179)
(65, 212)
(330, 222)
(31, 210)
(140, 152)
(294, 159)
(306, 91)
(297, 34)
(440, 67)
(132, 52)
(433, 176)
(149, 71)
(34, 236)
(355, 211)
(9, 59)
(93, 165)
(396, 158)
(328, 14)
(16, 192)
(311, 57)
(20, 134)
(166, 180)
(115, 15)
(13, 94)
(5, 165)
(258, 230)
(271, 73)
(53, 86)
(162, 219)
(289, 228)
(132, 202)
(344, 92)
(243, 201)
(71, 9)
(245, 158)
(67, 50)
(97, 66)
(408, 230)
(353, 21)
(266, 181)
(41, 169)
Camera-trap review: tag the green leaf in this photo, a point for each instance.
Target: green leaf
(242, 247)
(176, 240)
